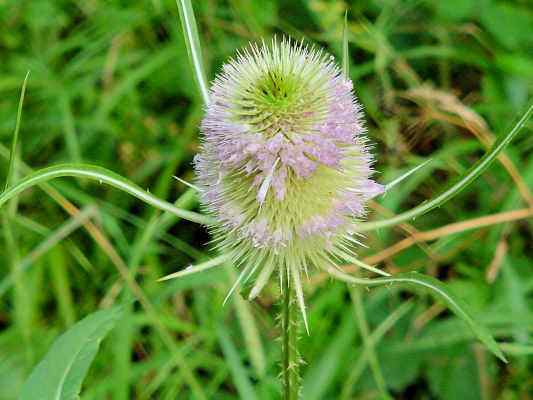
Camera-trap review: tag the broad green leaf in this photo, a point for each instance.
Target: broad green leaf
(100, 175)
(61, 372)
(437, 289)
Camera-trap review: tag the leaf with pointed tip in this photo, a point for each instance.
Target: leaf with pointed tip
(396, 181)
(60, 374)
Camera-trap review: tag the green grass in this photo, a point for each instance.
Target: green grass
(111, 85)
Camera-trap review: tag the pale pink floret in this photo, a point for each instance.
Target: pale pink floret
(231, 146)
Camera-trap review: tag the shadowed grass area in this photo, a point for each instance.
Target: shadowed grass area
(111, 85)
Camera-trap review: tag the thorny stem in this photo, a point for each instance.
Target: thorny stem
(289, 344)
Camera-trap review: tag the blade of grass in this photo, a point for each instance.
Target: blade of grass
(21, 296)
(476, 170)
(194, 49)
(438, 290)
(71, 139)
(450, 229)
(239, 373)
(356, 296)
(345, 49)
(122, 268)
(150, 66)
(52, 240)
(249, 328)
(14, 143)
(101, 175)
(124, 336)
(59, 276)
(374, 339)
(95, 232)
(320, 376)
(368, 346)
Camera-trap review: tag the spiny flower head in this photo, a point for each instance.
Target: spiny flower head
(284, 166)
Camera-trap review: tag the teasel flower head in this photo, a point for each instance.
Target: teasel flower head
(284, 167)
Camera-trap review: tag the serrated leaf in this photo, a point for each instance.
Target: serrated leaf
(61, 372)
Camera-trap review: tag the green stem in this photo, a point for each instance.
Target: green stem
(289, 344)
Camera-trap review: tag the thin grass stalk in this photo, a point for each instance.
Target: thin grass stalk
(14, 143)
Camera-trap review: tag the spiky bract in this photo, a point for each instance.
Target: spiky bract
(284, 166)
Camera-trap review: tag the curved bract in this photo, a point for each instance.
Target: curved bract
(416, 281)
(476, 170)
(100, 175)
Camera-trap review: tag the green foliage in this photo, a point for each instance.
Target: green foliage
(111, 85)
(61, 372)
(437, 289)
(100, 175)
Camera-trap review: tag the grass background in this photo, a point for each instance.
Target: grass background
(111, 85)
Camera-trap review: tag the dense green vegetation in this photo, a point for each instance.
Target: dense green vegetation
(111, 85)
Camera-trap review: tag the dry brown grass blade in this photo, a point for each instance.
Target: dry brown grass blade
(449, 229)
(499, 255)
(419, 237)
(443, 106)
